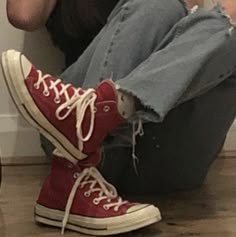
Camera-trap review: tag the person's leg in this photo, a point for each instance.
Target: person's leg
(176, 154)
(133, 30)
(187, 65)
(196, 35)
(207, 70)
(216, 27)
(177, 37)
(189, 52)
(121, 44)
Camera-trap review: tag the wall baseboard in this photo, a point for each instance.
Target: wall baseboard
(17, 139)
(230, 144)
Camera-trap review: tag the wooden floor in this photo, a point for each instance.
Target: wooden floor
(209, 211)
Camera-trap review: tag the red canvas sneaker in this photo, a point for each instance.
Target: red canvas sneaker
(76, 121)
(78, 198)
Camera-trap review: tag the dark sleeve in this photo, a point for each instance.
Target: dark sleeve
(73, 32)
(72, 47)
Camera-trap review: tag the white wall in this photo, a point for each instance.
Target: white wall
(16, 137)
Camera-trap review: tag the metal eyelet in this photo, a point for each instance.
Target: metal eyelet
(106, 108)
(109, 200)
(76, 175)
(105, 207)
(96, 201)
(36, 86)
(46, 93)
(87, 194)
(57, 100)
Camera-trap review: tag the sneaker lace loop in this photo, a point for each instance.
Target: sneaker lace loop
(80, 100)
(98, 184)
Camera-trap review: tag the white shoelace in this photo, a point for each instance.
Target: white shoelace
(97, 184)
(79, 101)
(136, 131)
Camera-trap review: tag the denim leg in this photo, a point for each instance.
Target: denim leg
(165, 64)
(198, 54)
(76, 73)
(134, 29)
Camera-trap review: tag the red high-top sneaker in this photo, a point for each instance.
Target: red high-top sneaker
(78, 198)
(76, 121)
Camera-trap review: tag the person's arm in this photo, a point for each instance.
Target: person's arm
(29, 15)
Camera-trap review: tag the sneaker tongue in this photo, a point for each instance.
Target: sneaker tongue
(106, 91)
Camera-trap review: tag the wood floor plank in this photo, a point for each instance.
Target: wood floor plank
(209, 211)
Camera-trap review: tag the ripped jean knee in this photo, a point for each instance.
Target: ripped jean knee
(210, 5)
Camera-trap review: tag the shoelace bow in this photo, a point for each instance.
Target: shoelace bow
(80, 100)
(98, 184)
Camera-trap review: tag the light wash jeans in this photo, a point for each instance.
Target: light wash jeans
(175, 62)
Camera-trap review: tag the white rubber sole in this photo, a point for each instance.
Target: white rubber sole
(100, 227)
(13, 75)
